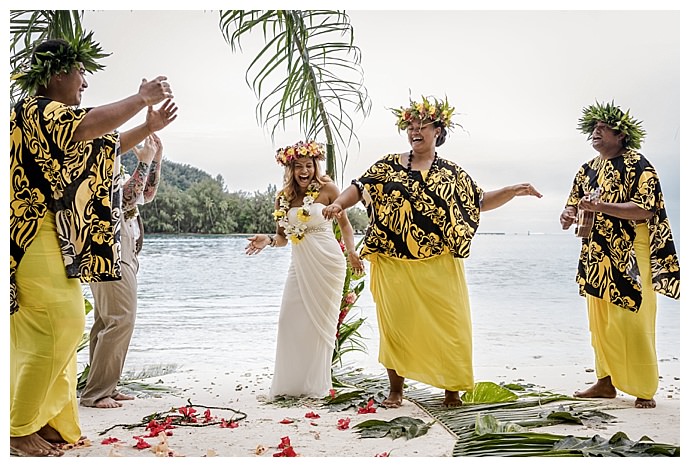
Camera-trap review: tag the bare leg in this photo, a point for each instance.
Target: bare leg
(33, 446)
(645, 403)
(452, 399)
(603, 388)
(395, 396)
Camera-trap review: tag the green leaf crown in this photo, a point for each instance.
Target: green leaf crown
(50, 63)
(429, 109)
(614, 117)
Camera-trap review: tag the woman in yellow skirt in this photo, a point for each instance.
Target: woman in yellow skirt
(64, 228)
(424, 212)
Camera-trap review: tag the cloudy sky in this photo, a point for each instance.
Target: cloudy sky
(518, 79)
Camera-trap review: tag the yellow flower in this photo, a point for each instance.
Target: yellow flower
(303, 215)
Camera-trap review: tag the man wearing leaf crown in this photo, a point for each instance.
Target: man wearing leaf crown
(627, 257)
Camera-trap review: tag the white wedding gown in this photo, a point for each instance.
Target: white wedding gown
(309, 311)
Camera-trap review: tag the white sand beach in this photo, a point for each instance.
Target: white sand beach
(258, 436)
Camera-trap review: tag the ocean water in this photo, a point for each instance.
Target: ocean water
(204, 304)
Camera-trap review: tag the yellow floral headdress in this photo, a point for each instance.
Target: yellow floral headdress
(301, 149)
(429, 109)
(613, 116)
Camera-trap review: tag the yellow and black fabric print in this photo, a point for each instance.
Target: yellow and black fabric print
(73, 179)
(607, 268)
(413, 216)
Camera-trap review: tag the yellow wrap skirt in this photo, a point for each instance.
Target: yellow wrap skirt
(624, 341)
(44, 335)
(425, 326)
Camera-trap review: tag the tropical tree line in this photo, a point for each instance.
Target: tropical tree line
(190, 200)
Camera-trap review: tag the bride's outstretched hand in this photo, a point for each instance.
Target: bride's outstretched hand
(257, 243)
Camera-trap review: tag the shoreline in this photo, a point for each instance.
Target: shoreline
(258, 436)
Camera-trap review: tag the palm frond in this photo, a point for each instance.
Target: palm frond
(308, 68)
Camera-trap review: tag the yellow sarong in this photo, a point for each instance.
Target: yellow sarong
(423, 312)
(624, 341)
(44, 335)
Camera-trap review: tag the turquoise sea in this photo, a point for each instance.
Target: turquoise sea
(204, 304)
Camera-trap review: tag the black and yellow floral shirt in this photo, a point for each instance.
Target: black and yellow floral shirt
(417, 217)
(607, 268)
(73, 180)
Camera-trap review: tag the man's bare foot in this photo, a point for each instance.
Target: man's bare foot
(107, 403)
(603, 388)
(393, 401)
(123, 397)
(33, 446)
(645, 403)
(452, 399)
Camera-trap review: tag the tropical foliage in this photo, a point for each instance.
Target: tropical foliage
(190, 200)
(498, 420)
(348, 337)
(308, 69)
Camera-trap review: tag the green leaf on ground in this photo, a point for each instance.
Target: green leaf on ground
(396, 428)
(486, 392)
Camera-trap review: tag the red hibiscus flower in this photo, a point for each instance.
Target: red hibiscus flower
(287, 452)
(344, 423)
(284, 442)
(312, 415)
(228, 423)
(110, 440)
(141, 444)
(188, 413)
(369, 408)
(286, 421)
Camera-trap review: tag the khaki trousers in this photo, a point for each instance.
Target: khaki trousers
(115, 309)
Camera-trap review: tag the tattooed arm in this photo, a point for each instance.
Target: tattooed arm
(134, 186)
(154, 175)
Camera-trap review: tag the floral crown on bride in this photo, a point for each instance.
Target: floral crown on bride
(301, 149)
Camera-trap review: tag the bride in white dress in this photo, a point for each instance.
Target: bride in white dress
(314, 284)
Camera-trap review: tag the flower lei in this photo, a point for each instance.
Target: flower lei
(436, 111)
(295, 232)
(301, 149)
(613, 116)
